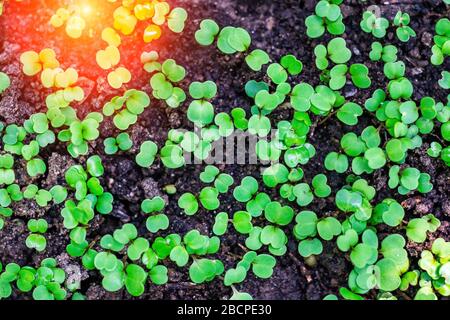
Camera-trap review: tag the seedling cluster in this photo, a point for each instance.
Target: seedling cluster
(270, 209)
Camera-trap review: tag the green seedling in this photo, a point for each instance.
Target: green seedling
(434, 277)
(246, 190)
(386, 53)
(262, 266)
(370, 23)
(409, 179)
(205, 270)
(389, 212)
(435, 149)
(239, 118)
(172, 156)
(156, 222)
(308, 225)
(207, 33)
(176, 20)
(327, 16)
(417, 228)
(163, 82)
(360, 75)
(404, 31)
(349, 113)
(36, 240)
(188, 202)
(79, 133)
(278, 214)
(336, 162)
(126, 108)
(147, 154)
(121, 142)
(242, 222)
(441, 47)
(5, 82)
(257, 59)
(232, 40)
(220, 224)
(444, 82)
(291, 64)
(7, 175)
(320, 186)
(336, 51)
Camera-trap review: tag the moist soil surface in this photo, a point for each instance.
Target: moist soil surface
(277, 27)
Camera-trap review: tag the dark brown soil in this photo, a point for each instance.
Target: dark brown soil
(276, 26)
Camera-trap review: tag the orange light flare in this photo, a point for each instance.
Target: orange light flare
(28, 26)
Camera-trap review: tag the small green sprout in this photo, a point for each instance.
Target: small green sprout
(209, 198)
(327, 16)
(396, 150)
(36, 240)
(417, 228)
(220, 224)
(336, 50)
(122, 142)
(147, 153)
(390, 212)
(5, 82)
(303, 193)
(163, 82)
(156, 222)
(386, 53)
(360, 75)
(252, 87)
(262, 265)
(242, 222)
(203, 90)
(240, 295)
(207, 33)
(246, 190)
(338, 76)
(349, 113)
(234, 276)
(320, 186)
(376, 158)
(7, 175)
(176, 20)
(336, 162)
(256, 59)
(36, 167)
(222, 181)
(308, 226)
(276, 73)
(224, 123)
(441, 47)
(188, 202)
(356, 200)
(292, 64)
(444, 82)
(172, 156)
(158, 275)
(278, 214)
(434, 277)
(79, 133)
(201, 111)
(232, 40)
(372, 24)
(134, 101)
(435, 149)
(205, 270)
(404, 31)
(409, 179)
(301, 95)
